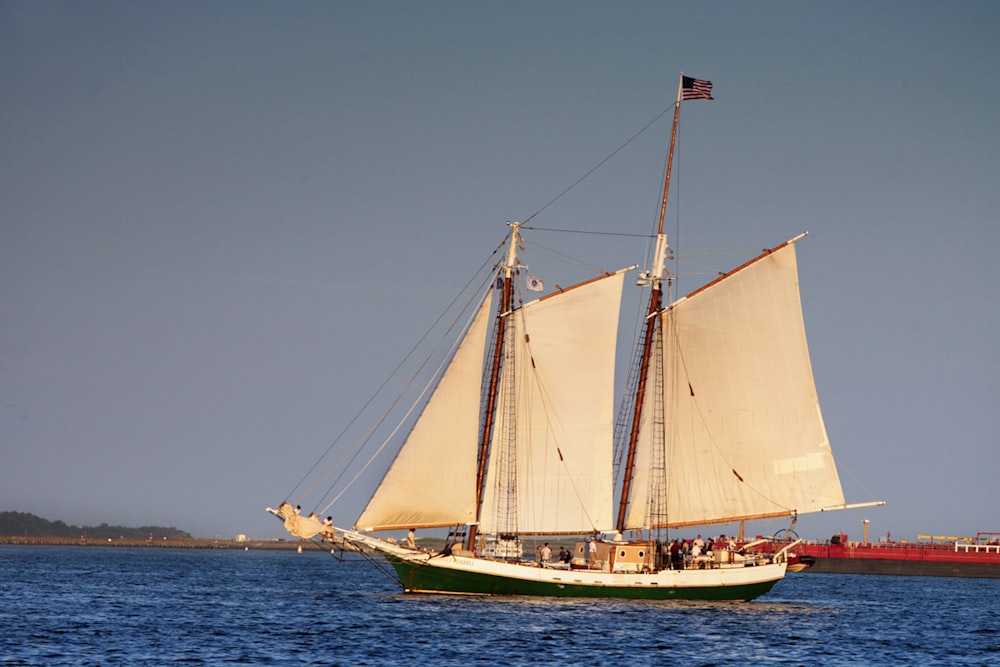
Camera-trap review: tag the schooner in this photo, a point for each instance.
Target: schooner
(517, 436)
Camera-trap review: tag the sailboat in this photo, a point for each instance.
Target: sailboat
(516, 438)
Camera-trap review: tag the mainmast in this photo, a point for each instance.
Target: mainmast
(491, 396)
(655, 279)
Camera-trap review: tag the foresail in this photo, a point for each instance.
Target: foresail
(557, 411)
(432, 480)
(744, 431)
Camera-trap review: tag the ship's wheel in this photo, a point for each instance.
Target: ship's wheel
(785, 535)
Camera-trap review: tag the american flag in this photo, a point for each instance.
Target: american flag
(696, 89)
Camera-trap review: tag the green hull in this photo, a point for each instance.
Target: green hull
(422, 578)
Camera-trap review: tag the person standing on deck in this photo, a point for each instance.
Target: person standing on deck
(675, 555)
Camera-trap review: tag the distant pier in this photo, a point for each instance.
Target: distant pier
(166, 543)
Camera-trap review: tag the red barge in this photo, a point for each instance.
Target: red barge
(929, 556)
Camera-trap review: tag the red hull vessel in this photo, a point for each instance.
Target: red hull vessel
(940, 557)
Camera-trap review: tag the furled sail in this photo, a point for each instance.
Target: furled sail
(298, 525)
(432, 480)
(741, 428)
(556, 411)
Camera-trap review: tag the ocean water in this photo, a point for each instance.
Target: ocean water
(119, 606)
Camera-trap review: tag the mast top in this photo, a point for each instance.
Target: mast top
(515, 236)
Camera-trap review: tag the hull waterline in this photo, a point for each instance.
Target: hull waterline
(476, 577)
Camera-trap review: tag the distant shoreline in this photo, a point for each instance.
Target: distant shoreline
(185, 543)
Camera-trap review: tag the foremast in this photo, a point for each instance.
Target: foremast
(654, 278)
(503, 308)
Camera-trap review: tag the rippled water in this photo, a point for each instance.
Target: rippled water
(112, 606)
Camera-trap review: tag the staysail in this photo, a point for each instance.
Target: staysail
(741, 433)
(440, 447)
(556, 412)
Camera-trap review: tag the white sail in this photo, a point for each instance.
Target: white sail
(647, 499)
(432, 480)
(556, 409)
(744, 433)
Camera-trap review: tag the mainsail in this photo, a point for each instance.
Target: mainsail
(740, 431)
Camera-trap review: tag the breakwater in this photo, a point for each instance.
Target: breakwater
(169, 543)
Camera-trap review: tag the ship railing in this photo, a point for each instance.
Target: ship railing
(977, 548)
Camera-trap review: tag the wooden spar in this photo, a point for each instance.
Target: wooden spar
(647, 347)
(768, 515)
(491, 395)
(655, 302)
(670, 155)
(729, 519)
(744, 265)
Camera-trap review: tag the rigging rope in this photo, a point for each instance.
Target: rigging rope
(429, 385)
(584, 231)
(602, 162)
(349, 458)
(376, 562)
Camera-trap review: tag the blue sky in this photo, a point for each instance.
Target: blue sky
(222, 223)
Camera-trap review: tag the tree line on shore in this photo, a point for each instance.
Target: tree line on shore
(23, 523)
